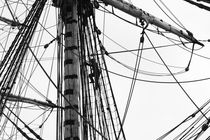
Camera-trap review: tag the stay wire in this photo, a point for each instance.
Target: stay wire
(18, 128)
(187, 49)
(176, 79)
(33, 67)
(38, 21)
(202, 6)
(204, 125)
(138, 60)
(159, 82)
(15, 71)
(31, 130)
(131, 51)
(187, 68)
(33, 119)
(169, 132)
(190, 117)
(10, 10)
(192, 130)
(179, 24)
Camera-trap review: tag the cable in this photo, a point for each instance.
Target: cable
(190, 51)
(137, 64)
(146, 49)
(20, 130)
(39, 22)
(190, 117)
(31, 130)
(198, 5)
(10, 10)
(46, 118)
(161, 46)
(180, 24)
(176, 79)
(187, 68)
(160, 82)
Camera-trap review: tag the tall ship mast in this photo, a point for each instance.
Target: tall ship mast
(55, 76)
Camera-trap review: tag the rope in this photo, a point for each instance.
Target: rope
(176, 79)
(138, 60)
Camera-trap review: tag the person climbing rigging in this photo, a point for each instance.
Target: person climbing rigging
(94, 76)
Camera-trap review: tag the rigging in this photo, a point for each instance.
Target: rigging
(199, 4)
(176, 79)
(135, 73)
(150, 19)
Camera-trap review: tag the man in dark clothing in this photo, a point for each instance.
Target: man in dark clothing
(95, 72)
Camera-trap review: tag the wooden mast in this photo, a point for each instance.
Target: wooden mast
(71, 70)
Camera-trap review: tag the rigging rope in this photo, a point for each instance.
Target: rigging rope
(118, 120)
(180, 24)
(31, 130)
(146, 72)
(14, 57)
(135, 73)
(198, 5)
(190, 117)
(131, 51)
(160, 33)
(176, 79)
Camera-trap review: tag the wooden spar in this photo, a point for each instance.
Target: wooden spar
(9, 22)
(150, 19)
(14, 98)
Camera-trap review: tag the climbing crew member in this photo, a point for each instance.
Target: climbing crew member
(95, 72)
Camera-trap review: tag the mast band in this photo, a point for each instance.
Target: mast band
(72, 107)
(71, 48)
(73, 76)
(71, 21)
(68, 34)
(68, 61)
(68, 92)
